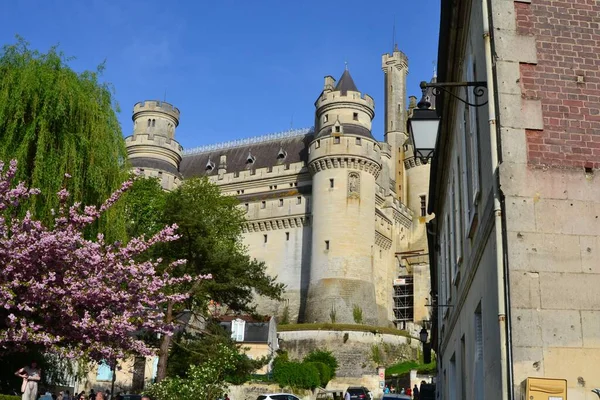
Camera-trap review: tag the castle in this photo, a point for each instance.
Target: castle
(336, 215)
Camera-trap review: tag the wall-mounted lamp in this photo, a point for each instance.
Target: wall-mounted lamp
(424, 124)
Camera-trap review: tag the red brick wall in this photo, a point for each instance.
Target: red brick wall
(568, 48)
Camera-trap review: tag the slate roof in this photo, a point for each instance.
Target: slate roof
(346, 83)
(142, 162)
(349, 129)
(265, 155)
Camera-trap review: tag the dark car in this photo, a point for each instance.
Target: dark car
(359, 393)
(131, 396)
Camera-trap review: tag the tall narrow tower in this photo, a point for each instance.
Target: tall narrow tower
(345, 161)
(152, 148)
(395, 68)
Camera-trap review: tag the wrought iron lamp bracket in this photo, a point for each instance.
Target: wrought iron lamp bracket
(479, 89)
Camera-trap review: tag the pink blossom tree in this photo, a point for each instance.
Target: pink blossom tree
(75, 296)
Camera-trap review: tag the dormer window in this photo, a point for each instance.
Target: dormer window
(281, 155)
(338, 129)
(209, 166)
(250, 159)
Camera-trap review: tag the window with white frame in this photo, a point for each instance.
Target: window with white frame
(478, 376)
(472, 131)
(451, 221)
(458, 201)
(448, 257)
(238, 327)
(442, 263)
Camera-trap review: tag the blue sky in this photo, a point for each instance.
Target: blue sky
(234, 68)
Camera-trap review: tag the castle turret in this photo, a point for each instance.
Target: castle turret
(345, 161)
(152, 148)
(395, 68)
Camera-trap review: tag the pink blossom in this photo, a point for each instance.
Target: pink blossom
(76, 296)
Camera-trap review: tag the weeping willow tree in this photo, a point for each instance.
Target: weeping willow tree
(56, 121)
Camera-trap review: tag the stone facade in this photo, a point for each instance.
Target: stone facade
(545, 84)
(332, 211)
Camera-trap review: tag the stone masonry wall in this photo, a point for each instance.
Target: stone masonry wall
(357, 353)
(548, 59)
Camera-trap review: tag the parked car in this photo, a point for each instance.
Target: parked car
(359, 393)
(396, 396)
(131, 396)
(277, 396)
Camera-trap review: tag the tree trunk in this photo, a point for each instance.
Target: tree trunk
(163, 352)
(114, 378)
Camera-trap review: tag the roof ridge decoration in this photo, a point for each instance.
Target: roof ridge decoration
(248, 141)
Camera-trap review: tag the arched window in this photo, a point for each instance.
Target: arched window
(148, 123)
(153, 122)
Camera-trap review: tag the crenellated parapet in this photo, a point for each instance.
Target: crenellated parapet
(156, 107)
(272, 224)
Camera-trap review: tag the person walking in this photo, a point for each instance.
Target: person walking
(416, 392)
(31, 376)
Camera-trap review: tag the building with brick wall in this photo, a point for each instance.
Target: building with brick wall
(516, 197)
(337, 215)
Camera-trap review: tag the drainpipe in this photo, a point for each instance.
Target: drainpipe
(498, 223)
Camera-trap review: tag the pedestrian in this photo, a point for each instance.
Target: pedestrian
(226, 397)
(92, 395)
(408, 391)
(402, 391)
(346, 396)
(386, 390)
(61, 396)
(416, 392)
(393, 389)
(82, 396)
(31, 376)
(146, 397)
(107, 395)
(99, 396)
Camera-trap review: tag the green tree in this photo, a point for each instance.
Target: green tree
(205, 381)
(54, 121)
(210, 225)
(325, 357)
(195, 349)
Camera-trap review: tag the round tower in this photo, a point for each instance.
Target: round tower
(344, 160)
(152, 148)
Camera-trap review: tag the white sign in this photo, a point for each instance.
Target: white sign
(401, 281)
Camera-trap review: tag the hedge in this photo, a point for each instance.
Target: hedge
(9, 397)
(296, 375)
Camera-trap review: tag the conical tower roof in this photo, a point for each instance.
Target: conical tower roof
(346, 83)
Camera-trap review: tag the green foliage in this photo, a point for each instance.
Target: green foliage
(210, 225)
(201, 382)
(282, 357)
(405, 367)
(9, 397)
(342, 327)
(297, 375)
(325, 373)
(54, 120)
(325, 357)
(285, 317)
(144, 205)
(357, 314)
(192, 349)
(376, 355)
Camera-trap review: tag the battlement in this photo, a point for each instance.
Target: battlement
(397, 59)
(148, 140)
(156, 106)
(327, 98)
